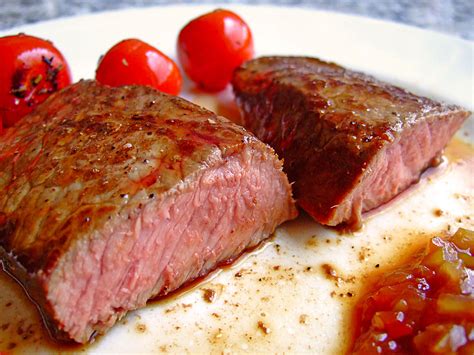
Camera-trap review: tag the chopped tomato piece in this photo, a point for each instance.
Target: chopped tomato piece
(427, 306)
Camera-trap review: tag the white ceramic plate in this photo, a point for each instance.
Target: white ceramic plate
(278, 299)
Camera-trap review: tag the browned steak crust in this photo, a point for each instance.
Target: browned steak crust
(111, 196)
(349, 142)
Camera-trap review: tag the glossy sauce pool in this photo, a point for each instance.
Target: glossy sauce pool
(296, 293)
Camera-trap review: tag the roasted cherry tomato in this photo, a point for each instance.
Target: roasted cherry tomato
(134, 62)
(31, 69)
(212, 46)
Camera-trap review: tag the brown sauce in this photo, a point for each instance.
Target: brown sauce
(459, 149)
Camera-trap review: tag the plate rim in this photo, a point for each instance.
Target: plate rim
(236, 7)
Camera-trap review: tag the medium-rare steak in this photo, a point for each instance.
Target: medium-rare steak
(112, 196)
(349, 142)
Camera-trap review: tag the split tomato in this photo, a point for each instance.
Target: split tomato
(31, 70)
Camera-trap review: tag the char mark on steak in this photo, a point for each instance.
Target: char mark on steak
(112, 196)
(349, 142)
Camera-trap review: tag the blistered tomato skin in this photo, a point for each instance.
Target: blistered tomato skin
(134, 62)
(425, 307)
(212, 46)
(31, 70)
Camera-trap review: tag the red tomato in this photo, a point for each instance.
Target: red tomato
(134, 62)
(212, 46)
(31, 70)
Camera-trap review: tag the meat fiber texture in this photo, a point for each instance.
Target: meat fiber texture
(349, 142)
(112, 196)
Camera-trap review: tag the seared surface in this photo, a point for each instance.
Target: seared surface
(349, 141)
(97, 185)
(94, 155)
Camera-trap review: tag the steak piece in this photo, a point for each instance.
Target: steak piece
(112, 196)
(349, 142)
